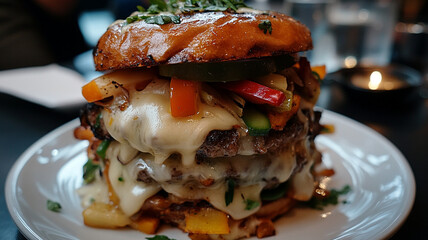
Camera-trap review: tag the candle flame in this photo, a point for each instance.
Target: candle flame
(375, 80)
(350, 62)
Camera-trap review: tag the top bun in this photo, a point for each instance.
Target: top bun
(199, 37)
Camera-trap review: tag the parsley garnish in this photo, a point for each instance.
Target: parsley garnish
(331, 199)
(160, 4)
(317, 76)
(140, 8)
(327, 128)
(102, 148)
(89, 170)
(120, 179)
(156, 19)
(53, 206)
(251, 204)
(98, 121)
(228, 196)
(266, 26)
(163, 19)
(154, 9)
(159, 237)
(175, 7)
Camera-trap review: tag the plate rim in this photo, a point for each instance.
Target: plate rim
(24, 158)
(401, 219)
(14, 172)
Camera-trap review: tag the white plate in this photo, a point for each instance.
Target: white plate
(382, 183)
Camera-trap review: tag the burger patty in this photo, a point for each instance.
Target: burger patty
(219, 144)
(222, 143)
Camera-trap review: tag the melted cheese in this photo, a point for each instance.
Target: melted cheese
(148, 126)
(252, 170)
(249, 169)
(303, 183)
(97, 191)
(148, 138)
(132, 194)
(215, 196)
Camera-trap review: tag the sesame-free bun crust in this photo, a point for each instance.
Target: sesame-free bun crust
(200, 37)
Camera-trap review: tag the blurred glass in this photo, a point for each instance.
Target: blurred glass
(362, 31)
(313, 13)
(347, 33)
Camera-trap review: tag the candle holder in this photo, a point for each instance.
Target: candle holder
(379, 85)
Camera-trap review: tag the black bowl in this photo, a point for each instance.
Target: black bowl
(405, 93)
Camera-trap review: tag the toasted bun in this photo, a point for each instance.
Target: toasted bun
(200, 37)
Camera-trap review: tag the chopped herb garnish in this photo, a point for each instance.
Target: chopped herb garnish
(89, 170)
(163, 19)
(132, 19)
(140, 8)
(317, 76)
(327, 128)
(230, 5)
(275, 193)
(251, 204)
(175, 7)
(161, 4)
(120, 179)
(266, 26)
(53, 206)
(331, 199)
(228, 196)
(159, 237)
(156, 19)
(102, 148)
(154, 9)
(211, 5)
(98, 121)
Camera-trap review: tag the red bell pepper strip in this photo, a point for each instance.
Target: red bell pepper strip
(183, 97)
(255, 92)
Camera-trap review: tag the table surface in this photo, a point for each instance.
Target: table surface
(22, 123)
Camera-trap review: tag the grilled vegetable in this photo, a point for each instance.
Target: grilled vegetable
(102, 215)
(279, 119)
(207, 221)
(320, 71)
(113, 84)
(255, 93)
(147, 225)
(257, 122)
(183, 97)
(226, 71)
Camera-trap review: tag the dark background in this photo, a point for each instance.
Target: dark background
(22, 123)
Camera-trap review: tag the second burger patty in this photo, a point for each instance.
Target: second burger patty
(224, 143)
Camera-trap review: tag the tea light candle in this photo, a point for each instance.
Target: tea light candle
(385, 86)
(378, 81)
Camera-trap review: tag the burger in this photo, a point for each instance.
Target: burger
(202, 120)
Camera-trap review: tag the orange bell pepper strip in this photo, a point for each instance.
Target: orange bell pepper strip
(114, 83)
(183, 97)
(279, 120)
(91, 92)
(320, 70)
